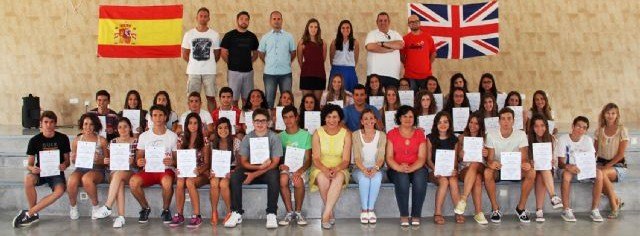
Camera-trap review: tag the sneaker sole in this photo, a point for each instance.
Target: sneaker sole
(539, 220)
(557, 206)
(193, 226)
(15, 219)
(568, 220)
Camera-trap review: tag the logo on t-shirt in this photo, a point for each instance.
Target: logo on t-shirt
(201, 48)
(418, 45)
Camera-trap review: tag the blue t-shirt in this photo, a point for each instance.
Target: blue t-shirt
(352, 116)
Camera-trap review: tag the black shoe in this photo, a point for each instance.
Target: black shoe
(523, 216)
(166, 216)
(496, 216)
(144, 215)
(19, 219)
(28, 220)
(36, 218)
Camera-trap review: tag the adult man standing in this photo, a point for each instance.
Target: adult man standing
(277, 51)
(239, 50)
(383, 46)
(353, 112)
(417, 55)
(201, 51)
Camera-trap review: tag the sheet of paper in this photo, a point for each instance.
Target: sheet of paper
(248, 121)
(474, 101)
(134, 117)
(279, 121)
(85, 153)
(119, 154)
(439, 101)
(220, 163)
(502, 97)
(552, 126)
(518, 122)
(406, 97)
(294, 158)
(49, 162)
(542, 154)
(259, 150)
(389, 120)
(491, 123)
(103, 121)
(376, 101)
(511, 165)
(154, 157)
(445, 161)
(340, 103)
(426, 123)
(186, 162)
(311, 121)
(586, 162)
(473, 149)
(460, 118)
(231, 115)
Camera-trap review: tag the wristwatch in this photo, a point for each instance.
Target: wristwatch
(376, 167)
(382, 44)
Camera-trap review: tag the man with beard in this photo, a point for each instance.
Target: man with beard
(239, 50)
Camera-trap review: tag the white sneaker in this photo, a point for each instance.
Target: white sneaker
(539, 216)
(234, 219)
(102, 212)
(568, 216)
(73, 213)
(118, 222)
(272, 222)
(460, 207)
(94, 212)
(595, 216)
(556, 202)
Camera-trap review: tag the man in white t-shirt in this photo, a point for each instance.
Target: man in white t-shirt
(566, 147)
(159, 137)
(201, 51)
(383, 52)
(507, 139)
(195, 105)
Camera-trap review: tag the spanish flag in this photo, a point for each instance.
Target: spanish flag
(140, 31)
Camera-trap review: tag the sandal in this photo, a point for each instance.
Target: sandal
(438, 219)
(404, 221)
(459, 219)
(613, 214)
(415, 221)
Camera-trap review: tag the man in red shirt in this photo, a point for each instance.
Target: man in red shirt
(418, 54)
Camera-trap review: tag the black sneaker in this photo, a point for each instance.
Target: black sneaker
(523, 216)
(166, 216)
(28, 220)
(144, 215)
(496, 216)
(19, 219)
(36, 218)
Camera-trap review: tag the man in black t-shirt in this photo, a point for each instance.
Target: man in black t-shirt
(239, 51)
(48, 142)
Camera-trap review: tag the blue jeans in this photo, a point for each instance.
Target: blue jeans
(418, 180)
(369, 188)
(271, 84)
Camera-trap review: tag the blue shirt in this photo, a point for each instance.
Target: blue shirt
(277, 45)
(352, 116)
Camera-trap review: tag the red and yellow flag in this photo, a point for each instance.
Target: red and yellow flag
(140, 31)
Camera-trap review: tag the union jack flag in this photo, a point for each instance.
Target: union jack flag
(460, 31)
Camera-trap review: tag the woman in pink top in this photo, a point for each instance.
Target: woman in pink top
(406, 155)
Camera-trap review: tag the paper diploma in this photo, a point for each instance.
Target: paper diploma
(85, 153)
(103, 121)
(491, 123)
(474, 101)
(511, 166)
(376, 101)
(186, 162)
(472, 149)
(248, 121)
(259, 150)
(49, 162)
(445, 161)
(518, 122)
(134, 117)
(406, 97)
(231, 115)
(426, 123)
(339, 103)
(502, 97)
(460, 118)
(586, 162)
(294, 158)
(220, 163)
(542, 154)
(154, 157)
(311, 121)
(119, 154)
(439, 101)
(390, 120)
(279, 121)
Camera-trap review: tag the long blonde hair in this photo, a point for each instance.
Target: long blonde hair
(605, 109)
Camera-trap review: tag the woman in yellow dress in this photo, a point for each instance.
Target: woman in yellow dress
(331, 153)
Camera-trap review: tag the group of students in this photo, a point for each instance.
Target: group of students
(350, 141)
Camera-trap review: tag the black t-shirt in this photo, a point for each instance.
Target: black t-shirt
(437, 143)
(38, 143)
(240, 46)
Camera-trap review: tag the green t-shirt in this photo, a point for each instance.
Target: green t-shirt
(301, 139)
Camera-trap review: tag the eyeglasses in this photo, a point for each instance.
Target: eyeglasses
(260, 121)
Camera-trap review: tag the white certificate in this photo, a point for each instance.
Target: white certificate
(552, 126)
(439, 101)
(491, 123)
(231, 115)
(542, 154)
(460, 118)
(119, 154)
(220, 163)
(259, 150)
(474, 101)
(311, 121)
(49, 162)
(502, 97)
(186, 162)
(376, 101)
(103, 121)
(134, 117)
(279, 121)
(426, 123)
(154, 157)
(472, 149)
(339, 103)
(248, 121)
(511, 165)
(294, 158)
(85, 153)
(406, 97)
(390, 120)
(586, 162)
(518, 122)
(445, 161)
